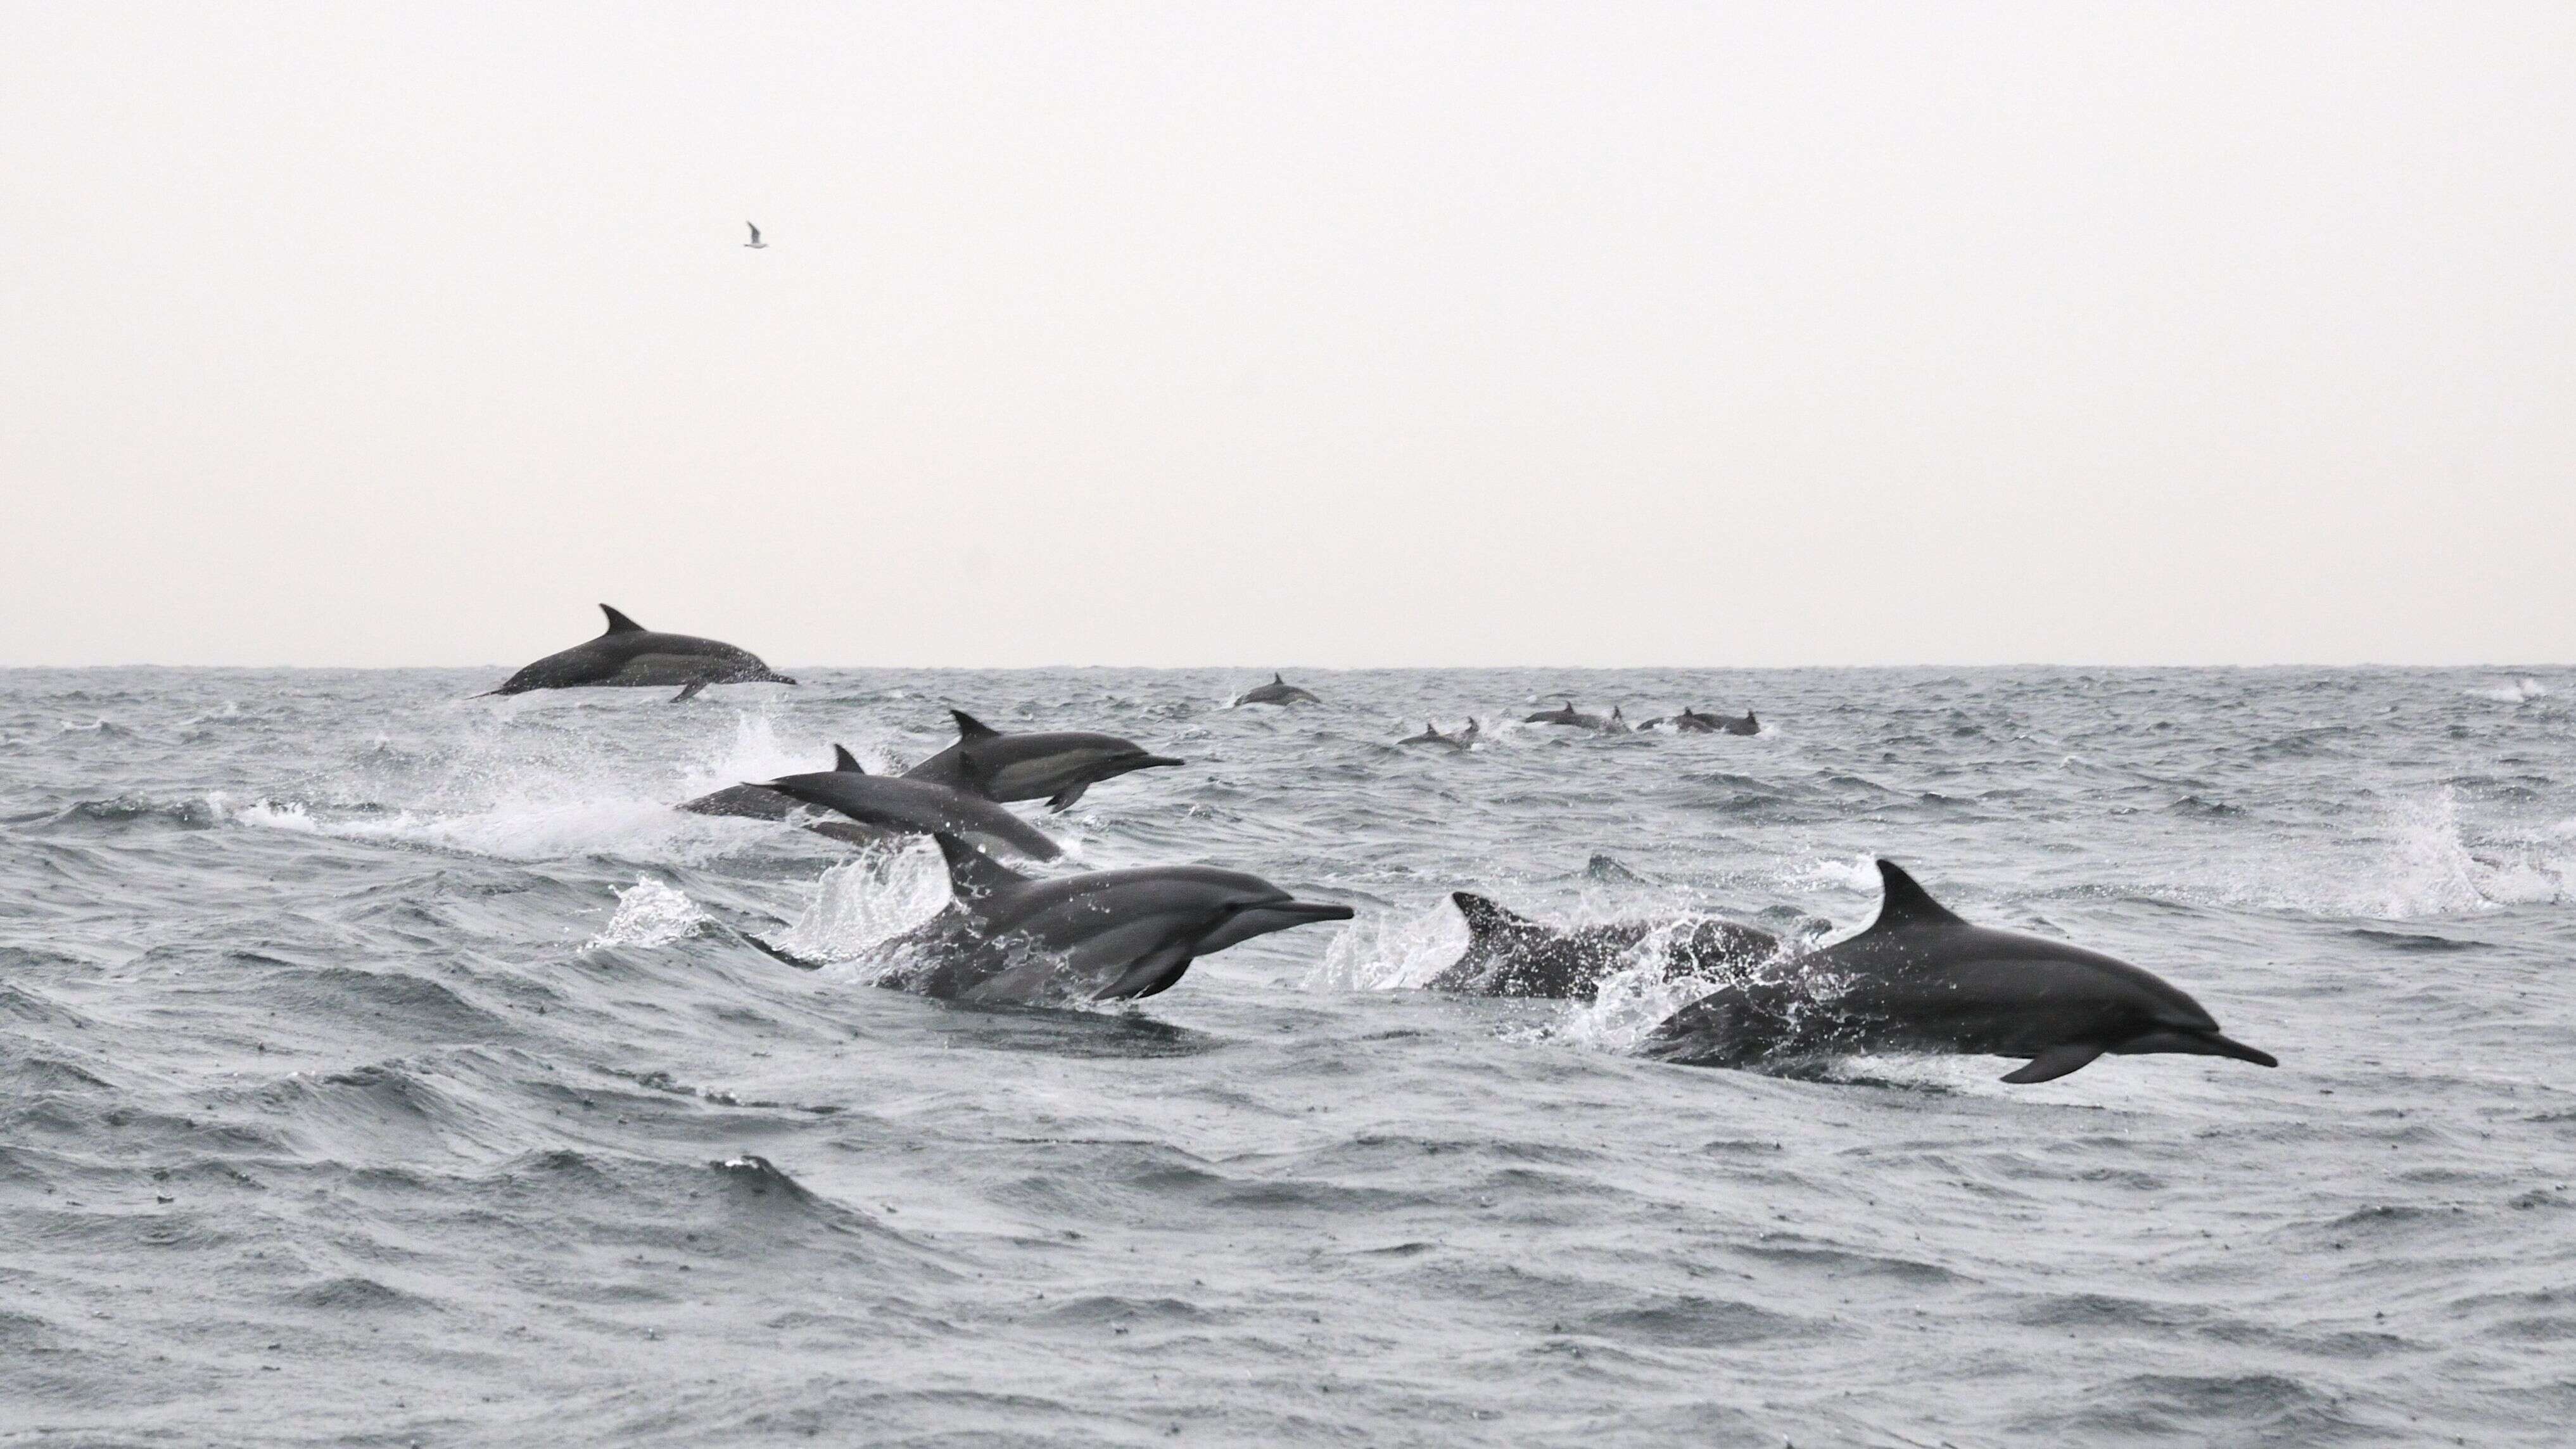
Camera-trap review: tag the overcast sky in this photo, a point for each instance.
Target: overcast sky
(1290, 334)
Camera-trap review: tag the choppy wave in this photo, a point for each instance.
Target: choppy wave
(360, 1038)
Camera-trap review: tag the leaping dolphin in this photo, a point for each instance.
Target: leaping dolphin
(630, 655)
(1277, 691)
(918, 807)
(1104, 936)
(1051, 765)
(1511, 955)
(1921, 979)
(759, 802)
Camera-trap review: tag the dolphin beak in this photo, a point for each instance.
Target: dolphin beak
(1155, 762)
(1306, 911)
(2219, 1046)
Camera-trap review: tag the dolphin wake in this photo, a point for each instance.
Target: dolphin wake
(362, 1039)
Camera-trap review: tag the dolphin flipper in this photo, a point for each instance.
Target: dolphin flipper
(689, 690)
(2057, 1061)
(1063, 799)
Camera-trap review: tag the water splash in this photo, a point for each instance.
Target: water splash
(649, 913)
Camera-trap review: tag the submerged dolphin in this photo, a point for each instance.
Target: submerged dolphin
(1921, 979)
(1277, 691)
(1103, 936)
(1051, 765)
(1511, 955)
(1578, 719)
(917, 807)
(631, 655)
(759, 802)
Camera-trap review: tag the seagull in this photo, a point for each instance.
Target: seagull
(755, 241)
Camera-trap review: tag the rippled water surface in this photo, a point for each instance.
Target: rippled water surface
(381, 1065)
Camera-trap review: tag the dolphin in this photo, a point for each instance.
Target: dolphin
(1431, 735)
(1511, 955)
(915, 807)
(1921, 979)
(1277, 691)
(631, 655)
(1108, 935)
(1575, 717)
(759, 802)
(1052, 765)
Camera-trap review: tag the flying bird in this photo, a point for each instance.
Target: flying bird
(755, 242)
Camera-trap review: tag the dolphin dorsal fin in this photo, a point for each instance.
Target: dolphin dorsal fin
(1904, 903)
(971, 728)
(618, 623)
(973, 875)
(1275, 679)
(845, 762)
(1483, 917)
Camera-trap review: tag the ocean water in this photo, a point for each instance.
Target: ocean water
(380, 1065)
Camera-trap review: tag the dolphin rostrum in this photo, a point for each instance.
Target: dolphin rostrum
(1511, 955)
(1103, 936)
(759, 802)
(1277, 691)
(631, 655)
(917, 807)
(1051, 765)
(1921, 979)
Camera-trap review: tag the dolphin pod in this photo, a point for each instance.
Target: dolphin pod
(1918, 979)
(629, 655)
(1512, 955)
(1922, 979)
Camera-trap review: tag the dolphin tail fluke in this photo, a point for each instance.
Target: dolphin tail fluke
(2055, 1062)
(845, 762)
(618, 623)
(972, 874)
(689, 690)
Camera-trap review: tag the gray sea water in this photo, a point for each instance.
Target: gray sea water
(379, 1065)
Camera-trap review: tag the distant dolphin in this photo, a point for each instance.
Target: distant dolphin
(917, 807)
(1921, 979)
(759, 802)
(1512, 955)
(1277, 691)
(631, 655)
(1431, 735)
(1576, 718)
(1105, 936)
(1051, 765)
(1616, 724)
(756, 244)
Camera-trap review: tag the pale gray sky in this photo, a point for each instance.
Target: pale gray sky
(1341, 335)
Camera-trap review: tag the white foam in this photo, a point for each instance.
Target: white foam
(1386, 952)
(2520, 691)
(866, 901)
(649, 913)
